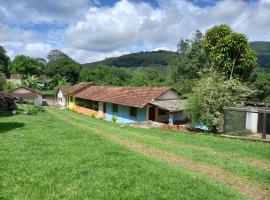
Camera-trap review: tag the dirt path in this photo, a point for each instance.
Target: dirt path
(240, 184)
(231, 155)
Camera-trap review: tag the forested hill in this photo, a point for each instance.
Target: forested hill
(263, 53)
(140, 59)
(162, 58)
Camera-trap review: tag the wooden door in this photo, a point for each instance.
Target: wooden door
(151, 113)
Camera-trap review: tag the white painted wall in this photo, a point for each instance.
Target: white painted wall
(252, 122)
(60, 98)
(38, 99)
(170, 94)
(100, 109)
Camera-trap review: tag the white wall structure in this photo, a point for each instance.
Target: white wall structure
(170, 94)
(28, 95)
(100, 109)
(252, 122)
(60, 98)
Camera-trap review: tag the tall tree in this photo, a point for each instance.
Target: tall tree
(229, 52)
(4, 60)
(209, 96)
(189, 64)
(24, 65)
(61, 64)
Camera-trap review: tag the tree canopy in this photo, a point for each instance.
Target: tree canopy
(26, 65)
(4, 60)
(229, 52)
(61, 64)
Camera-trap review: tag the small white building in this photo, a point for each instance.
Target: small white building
(62, 95)
(63, 92)
(27, 95)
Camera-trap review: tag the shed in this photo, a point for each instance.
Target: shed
(27, 95)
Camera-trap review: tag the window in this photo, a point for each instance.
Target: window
(71, 99)
(93, 105)
(162, 112)
(115, 108)
(133, 111)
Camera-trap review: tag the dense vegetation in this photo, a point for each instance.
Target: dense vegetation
(221, 53)
(159, 58)
(263, 53)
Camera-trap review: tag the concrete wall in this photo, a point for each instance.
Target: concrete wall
(123, 114)
(85, 111)
(37, 98)
(252, 122)
(60, 98)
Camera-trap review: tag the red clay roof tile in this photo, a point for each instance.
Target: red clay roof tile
(130, 96)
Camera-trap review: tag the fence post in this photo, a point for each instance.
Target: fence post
(224, 121)
(264, 125)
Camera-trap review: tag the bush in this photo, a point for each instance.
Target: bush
(29, 109)
(93, 115)
(210, 95)
(114, 118)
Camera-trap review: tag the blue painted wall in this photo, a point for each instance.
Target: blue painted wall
(123, 114)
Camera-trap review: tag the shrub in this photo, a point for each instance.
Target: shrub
(93, 115)
(210, 95)
(114, 118)
(29, 109)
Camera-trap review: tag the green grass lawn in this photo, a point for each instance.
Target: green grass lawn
(61, 155)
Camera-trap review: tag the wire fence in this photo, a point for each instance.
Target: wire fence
(247, 120)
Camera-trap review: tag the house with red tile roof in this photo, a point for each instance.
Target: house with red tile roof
(128, 104)
(64, 93)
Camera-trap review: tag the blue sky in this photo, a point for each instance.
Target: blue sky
(91, 30)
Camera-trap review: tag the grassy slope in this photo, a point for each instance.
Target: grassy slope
(44, 158)
(246, 159)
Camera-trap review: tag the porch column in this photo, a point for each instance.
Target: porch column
(171, 118)
(100, 109)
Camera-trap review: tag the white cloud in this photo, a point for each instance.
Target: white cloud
(94, 31)
(40, 11)
(37, 50)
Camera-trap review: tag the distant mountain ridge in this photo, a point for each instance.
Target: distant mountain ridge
(162, 58)
(263, 53)
(141, 59)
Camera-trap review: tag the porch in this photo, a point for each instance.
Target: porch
(167, 111)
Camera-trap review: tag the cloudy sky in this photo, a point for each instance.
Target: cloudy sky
(90, 30)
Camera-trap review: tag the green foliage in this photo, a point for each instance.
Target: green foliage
(30, 109)
(189, 65)
(148, 77)
(26, 65)
(57, 81)
(93, 115)
(61, 64)
(263, 53)
(114, 118)
(4, 60)
(213, 35)
(229, 52)
(210, 95)
(2, 81)
(30, 81)
(261, 80)
(141, 59)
